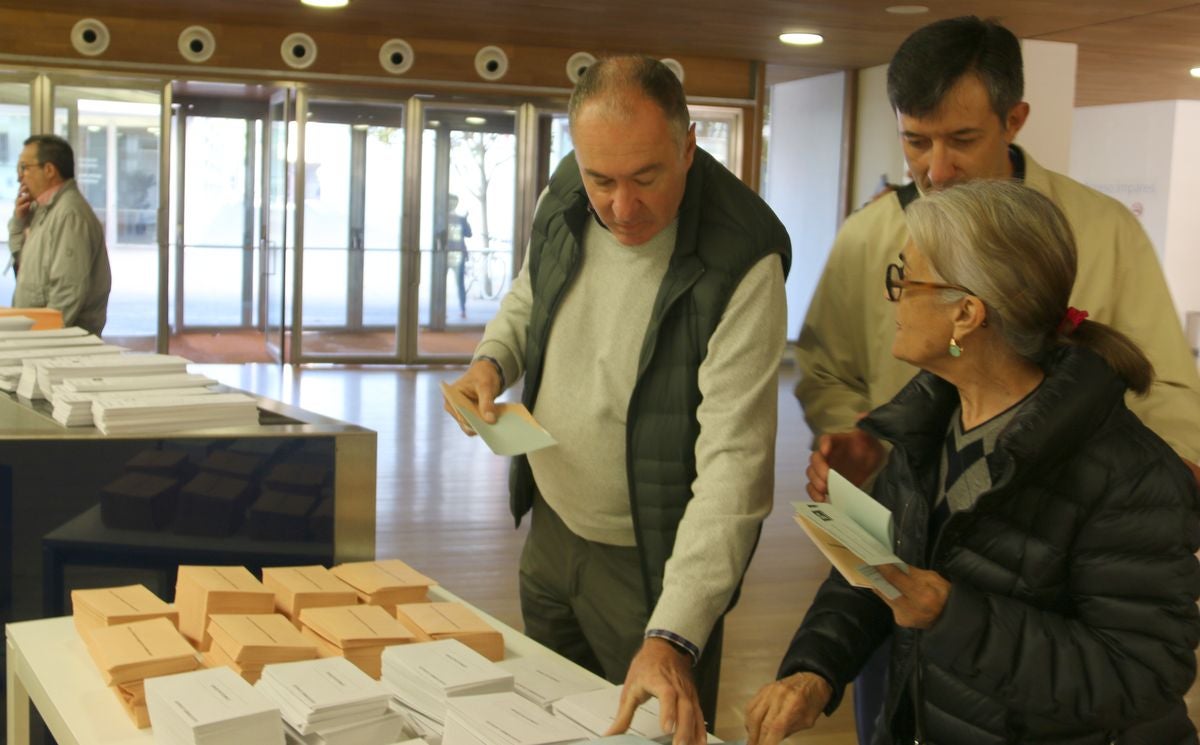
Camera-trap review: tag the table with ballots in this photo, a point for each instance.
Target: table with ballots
(226, 664)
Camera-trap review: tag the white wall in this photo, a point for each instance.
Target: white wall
(1181, 253)
(878, 150)
(1145, 155)
(1124, 150)
(1050, 92)
(803, 169)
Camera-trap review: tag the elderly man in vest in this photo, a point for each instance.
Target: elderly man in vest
(56, 241)
(648, 322)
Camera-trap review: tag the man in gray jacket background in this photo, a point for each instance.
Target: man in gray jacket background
(56, 240)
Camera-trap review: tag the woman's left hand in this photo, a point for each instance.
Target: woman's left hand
(922, 595)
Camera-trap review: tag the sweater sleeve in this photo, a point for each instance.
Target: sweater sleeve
(504, 336)
(735, 457)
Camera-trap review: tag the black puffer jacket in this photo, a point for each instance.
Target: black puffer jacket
(1072, 612)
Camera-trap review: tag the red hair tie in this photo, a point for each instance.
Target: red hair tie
(1071, 321)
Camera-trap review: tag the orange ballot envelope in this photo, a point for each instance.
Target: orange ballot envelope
(430, 621)
(515, 431)
(853, 531)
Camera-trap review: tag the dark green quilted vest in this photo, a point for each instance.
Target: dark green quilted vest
(724, 230)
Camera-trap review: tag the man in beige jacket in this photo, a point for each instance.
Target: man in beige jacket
(952, 130)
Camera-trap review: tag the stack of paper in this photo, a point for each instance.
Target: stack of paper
(595, 711)
(113, 383)
(174, 413)
(357, 632)
(111, 606)
(50, 372)
(202, 591)
(211, 706)
(297, 588)
(331, 702)
(506, 719)
(48, 338)
(19, 357)
(543, 679)
(72, 409)
(385, 583)
(245, 643)
(128, 654)
(432, 621)
(15, 323)
(423, 677)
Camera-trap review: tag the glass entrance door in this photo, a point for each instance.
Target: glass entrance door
(353, 199)
(468, 211)
(277, 221)
(117, 138)
(14, 130)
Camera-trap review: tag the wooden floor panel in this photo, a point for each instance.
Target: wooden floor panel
(443, 507)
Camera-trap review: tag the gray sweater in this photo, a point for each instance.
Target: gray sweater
(590, 370)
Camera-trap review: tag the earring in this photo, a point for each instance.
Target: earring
(955, 349)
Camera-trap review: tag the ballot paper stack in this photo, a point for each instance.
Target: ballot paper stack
(211, 707)
(423, 677)
(544, 679)
(75, 409)
(297, 588)
(174, 413)
(506, 719)
(112, 606)
(433, 621)
(72, 398)
(204, 591)
(13, 361)
(128, 654)
(47, 373)
(15, 323)
(331, 702)
(357, 632)
(247, 642)
(385, 583)
(595, 711)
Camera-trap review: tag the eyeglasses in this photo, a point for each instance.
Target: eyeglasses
(23, 167)
(896, 283)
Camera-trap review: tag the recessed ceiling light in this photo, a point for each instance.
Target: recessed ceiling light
(805, 39)
(907, 10)
(475, 120)
(326, 3)
(1196, 72)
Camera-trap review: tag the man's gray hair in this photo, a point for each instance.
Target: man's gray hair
(612, 79)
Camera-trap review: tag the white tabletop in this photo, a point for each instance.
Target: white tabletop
(49, 665)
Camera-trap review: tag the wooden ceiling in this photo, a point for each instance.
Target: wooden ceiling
(1129, 50)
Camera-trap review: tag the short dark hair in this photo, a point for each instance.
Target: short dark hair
(638, 72)
(933, 58)
(56, 150)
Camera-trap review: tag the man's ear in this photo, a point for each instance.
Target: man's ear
(1015, 120)
(689, 145)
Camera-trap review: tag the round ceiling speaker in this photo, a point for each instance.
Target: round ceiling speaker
(396, 56)
(491, 63)
(674, 66)
(298, 50)
(90, 37)
(196, 44)
(577, 65)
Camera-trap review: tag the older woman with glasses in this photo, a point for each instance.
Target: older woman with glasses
(1050, 537)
